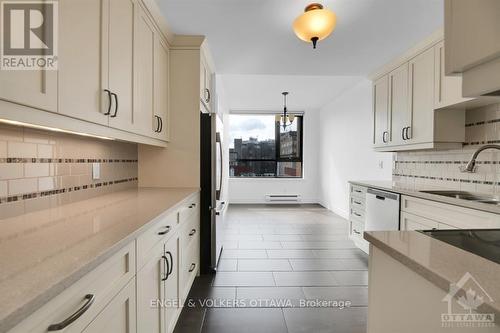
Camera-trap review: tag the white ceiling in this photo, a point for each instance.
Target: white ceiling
(256, 36)
(263, 92)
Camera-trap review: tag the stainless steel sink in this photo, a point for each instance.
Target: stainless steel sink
(464, 195)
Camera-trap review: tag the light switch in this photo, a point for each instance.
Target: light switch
(381, 164)
(96, 171)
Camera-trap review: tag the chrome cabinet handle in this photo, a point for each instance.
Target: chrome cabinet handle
(192, 232)
(408, 133)
(207, 95)
(109, 100)
(357, 202)
(157, 130)
(356, 214)
(164, 232)
(356, 232)
(161, 125)
(171, 268)
(66, 322)
(384, 139)
(193, 266)
(116, 105)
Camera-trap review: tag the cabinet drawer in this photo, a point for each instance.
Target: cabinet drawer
(357, 229)
(101, 285)
(190, 265)
(358, 203)
(189, 208)
(454, 216)
(357, 214)
(358, 191)
(190, 232)
(160, 230)
(414, 222)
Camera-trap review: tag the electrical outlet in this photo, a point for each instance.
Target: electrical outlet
(96, 171)
(381, 164)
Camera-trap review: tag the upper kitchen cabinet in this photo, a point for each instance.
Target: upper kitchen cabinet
(472, 30)
(80, 87)
(161, 121)
(32, 88)
(398, 105)
(113, 77)
(414, 121)
(381, 134)
(96, 47)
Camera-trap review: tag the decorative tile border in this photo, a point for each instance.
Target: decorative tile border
(41, 194)
(445, 162)
(449, 179)
(479, 123)
(63, 160)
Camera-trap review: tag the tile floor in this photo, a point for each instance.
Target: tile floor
(278, 264)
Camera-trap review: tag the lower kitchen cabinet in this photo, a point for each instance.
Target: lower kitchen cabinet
(125, 295)
(119, 316)
(357, 216)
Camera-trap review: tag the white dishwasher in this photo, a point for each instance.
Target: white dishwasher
(382, 210)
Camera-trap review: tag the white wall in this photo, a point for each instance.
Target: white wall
(345, 151)
(252, 190)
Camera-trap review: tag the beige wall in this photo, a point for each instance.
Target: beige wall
(40, 169)
(178, 165)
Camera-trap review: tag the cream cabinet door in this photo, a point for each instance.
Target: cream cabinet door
(120, 66)
(144, 40)
(80, 32)
(151, 288)
(414, 222)
(381, 111)
(398, 104)
(422, 97)
(172, 283)
(33, 88)
(119, 316)
(160, 120)
(448, 89)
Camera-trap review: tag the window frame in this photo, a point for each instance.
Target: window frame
(277, 159)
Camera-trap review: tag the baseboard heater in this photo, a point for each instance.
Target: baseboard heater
(283, 198)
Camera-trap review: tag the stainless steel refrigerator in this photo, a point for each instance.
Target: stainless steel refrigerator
(213, 204)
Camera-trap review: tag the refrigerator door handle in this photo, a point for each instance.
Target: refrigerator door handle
(219, 189)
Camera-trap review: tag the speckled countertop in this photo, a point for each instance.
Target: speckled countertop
(439, 262)
(44, 252)
(410, 191)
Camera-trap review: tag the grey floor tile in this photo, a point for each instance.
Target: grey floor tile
(227, 265)
(243, 279)
(324, 238)
(328, 264)
(282, 237)
(358, 296)
(290, 254)
(340, 253)
(211, 297)
(270, 296)
(190, 320)
(238, 237)
(230, 244)
(263, 265)
(326, 320)
(243, 254)
(304, 279)
(342, 244)
(351, 278)
(244, 320)
(259, 245)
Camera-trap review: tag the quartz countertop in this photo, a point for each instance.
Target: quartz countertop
(44, 252)
(414, 192)
(440, 263)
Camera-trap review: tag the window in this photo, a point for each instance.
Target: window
(260, 147)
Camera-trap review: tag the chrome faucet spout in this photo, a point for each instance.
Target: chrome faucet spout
(471, 165)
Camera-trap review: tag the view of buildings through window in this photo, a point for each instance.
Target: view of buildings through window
(261, 147)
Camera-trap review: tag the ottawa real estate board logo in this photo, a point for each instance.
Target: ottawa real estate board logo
(28, 35)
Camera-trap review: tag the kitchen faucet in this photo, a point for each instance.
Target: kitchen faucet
(471, 165)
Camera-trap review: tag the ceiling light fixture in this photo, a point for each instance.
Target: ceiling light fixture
(286, 119)
(315, 24)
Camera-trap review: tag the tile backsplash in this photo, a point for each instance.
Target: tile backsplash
(441, 169)
(40, 169)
